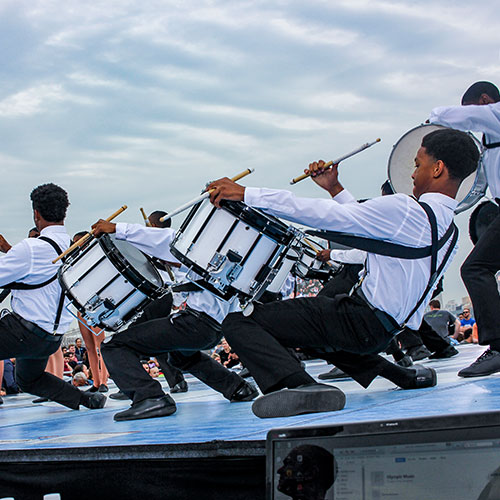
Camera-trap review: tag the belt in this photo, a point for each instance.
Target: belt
(387, 321)
(204, 317)
(39, 332)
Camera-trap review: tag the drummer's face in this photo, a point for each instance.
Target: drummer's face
(423, 174)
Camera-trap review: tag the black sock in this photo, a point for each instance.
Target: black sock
(291, 381)
(495, 345)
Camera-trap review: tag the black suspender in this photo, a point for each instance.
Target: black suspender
(491, 145)
(25, 286)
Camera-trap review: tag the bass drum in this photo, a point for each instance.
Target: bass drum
(482, 216)
(402, 163)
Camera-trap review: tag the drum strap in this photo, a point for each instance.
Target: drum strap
(25, 286)
(188, 287)
(491, 145)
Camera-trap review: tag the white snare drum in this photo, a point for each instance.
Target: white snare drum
(110, 282)
(307, 266)
(289, 261)
(237, 250)
(401, 165)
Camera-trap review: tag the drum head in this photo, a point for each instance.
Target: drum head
(402, 164)
(131, 262)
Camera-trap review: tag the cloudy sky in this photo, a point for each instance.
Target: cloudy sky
(141, 103)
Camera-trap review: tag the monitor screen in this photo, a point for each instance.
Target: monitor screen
(459, 463)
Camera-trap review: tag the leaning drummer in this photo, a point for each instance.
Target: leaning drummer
(364, 322)
(195, 328)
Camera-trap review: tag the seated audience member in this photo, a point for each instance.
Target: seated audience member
(9, 377)
(467, 323)
(441, 320)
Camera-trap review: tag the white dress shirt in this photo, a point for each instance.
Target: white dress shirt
(348, 256)
(486, 119)
(391, 285)
(156, 242)
(30, 262)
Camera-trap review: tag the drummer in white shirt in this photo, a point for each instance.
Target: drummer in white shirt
(362, 323)
(184, 334)
(35, 327)
(480, 112)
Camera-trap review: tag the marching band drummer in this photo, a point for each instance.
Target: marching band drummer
(184, 334)
(367, 320)
(480, 112)
(35, 327)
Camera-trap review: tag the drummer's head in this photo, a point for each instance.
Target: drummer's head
(50, 203)
(154, 219)
(444, 160)
(481, 93)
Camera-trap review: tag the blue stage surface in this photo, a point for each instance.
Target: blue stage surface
(203, 416)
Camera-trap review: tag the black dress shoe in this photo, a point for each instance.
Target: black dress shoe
(119, 395)
(405, 361)
(422, 377)
(418, 353)
(487, 364)
(180, 387)
(92, 389)
(447, 352)
(148, 408)
(1, 400)
(245, 392)
(333, 374)
(245, 373)
(103, 388)
(310, 398)
(40, 400)
(93, 400)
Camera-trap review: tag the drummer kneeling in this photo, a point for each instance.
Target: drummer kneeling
(365, 321)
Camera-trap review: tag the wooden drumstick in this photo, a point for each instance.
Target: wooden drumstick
(338, 160)
(144, 216)
(315, 248)
(85, 237)
(202, 196)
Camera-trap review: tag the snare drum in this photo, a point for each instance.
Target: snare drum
(237, 250)
(308, 267)
(401, 165)
(110, 282)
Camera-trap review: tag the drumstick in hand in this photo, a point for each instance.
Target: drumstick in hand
(85, 237)
(338, 160)
(146, 220)
(202, 196)
(315, 249)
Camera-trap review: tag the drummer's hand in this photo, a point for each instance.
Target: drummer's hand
(103, 226)
(225, 189)
(326, 178)
(323, 255)
(5, 246)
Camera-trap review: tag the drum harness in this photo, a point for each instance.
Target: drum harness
(397, 250)
(32, 327)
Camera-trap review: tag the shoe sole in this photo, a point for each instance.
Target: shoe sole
(472, 375)
(290, 402)
(334, 377)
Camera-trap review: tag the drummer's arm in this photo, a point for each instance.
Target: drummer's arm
(150, 240)
(485, 118)
(15, 264)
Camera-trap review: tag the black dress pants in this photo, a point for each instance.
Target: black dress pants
(425, 335)
(161, 308)
(478, 274)
(31, 353)
(319, 324)
(182, 332)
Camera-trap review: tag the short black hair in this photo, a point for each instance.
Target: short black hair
(435, 303)
(456, 149)
(387, 188)
(156, 216)
(476, 90)
(51, 201)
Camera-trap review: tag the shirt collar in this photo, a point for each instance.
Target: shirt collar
(52, 230)
(440, 198)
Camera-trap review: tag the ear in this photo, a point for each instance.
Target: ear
(438, 168)
(485, 99)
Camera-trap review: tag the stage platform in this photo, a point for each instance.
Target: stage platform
(207, 428)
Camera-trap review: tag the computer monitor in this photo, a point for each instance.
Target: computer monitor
(435, 458)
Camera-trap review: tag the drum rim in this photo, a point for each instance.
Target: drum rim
(137, 280)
